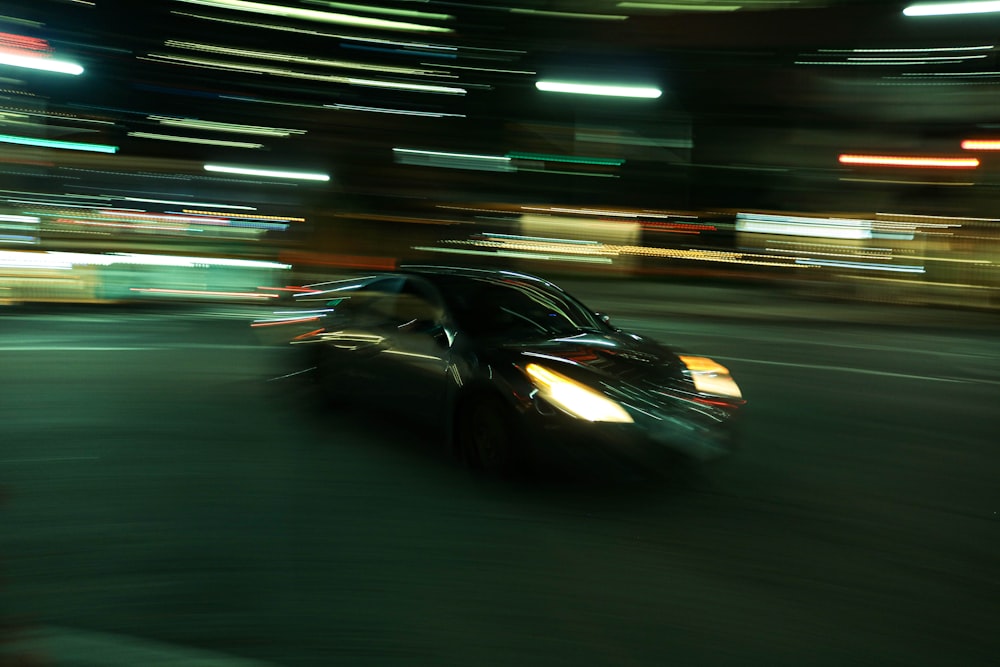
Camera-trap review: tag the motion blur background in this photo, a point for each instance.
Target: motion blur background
(805, 189)
(842, 144)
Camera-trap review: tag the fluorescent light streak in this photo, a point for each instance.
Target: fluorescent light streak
(452, 160)
(277, 71)
(487, 69)
(892, 59)
(198, 124)
(986, 47)
(951, 8)
(40, 63)
(570, 15)
(52, 143)
(267, 173)
(838, 228)
(371, 9)
(302, 60)
(902, 161)
(318, 16)
(543, 157)
(194, 140)
(302, 31)
(18, 218)
(860, 265)
(595, 89)
(186, 203)
(567, 173)
(981, 145)
(418, 87)
(677, 7)
(401, 112)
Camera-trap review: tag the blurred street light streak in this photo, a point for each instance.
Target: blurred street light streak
(485, 69)
(192, 292)
(902, 182)
(951, 8)
(879, 63)
(197, 123)
(388, 11)
(39, 63)
(981, 145)
(906, 161)
(937, 217)
(569, 15)
(188, 203)
(518, 255)
(267, 173)
(840, 228)
(53, 143)
(452, 160)
(287, 320)
(317, 16)
(543, 157)
(597, 89)
(242, 216)
(985, 47)
(331, 78)
(567, 173)
(194, 140)
(301, 60)
(52, 114)
(680, 7)
(861, 265)
(402, 112)
(964, 74)
(924, 58)
(317, 33)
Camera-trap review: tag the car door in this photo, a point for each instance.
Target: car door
(410, 369)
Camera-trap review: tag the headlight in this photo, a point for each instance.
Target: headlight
(574, 397)
(711, 377)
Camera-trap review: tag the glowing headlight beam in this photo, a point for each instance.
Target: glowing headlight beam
(711, 377)
(951, 8)
(317, 16)
(53, 143)
(903, 161)
(267, 173)
(37, 63)
(595, 89)
(575, 398)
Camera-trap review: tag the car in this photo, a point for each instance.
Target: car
(513, 369)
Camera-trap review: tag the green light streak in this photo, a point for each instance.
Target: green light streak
(543, 157)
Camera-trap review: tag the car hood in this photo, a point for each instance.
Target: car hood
(613, 355)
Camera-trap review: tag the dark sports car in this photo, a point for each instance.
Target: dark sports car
(510, 366)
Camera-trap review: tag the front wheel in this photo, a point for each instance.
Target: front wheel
(486, 436)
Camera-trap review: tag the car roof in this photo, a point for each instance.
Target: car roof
(431, 270)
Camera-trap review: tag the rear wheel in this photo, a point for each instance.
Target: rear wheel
(486, 435)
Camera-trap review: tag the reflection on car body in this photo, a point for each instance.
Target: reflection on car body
(511, 367)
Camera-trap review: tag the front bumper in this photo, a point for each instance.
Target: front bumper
(651, 441)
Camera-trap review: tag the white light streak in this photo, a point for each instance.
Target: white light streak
(37, 63)
(267, 173)
(197, 123)
(595, 89)
(401, 112)
(951, 8)
(318, 16)
(194, 140)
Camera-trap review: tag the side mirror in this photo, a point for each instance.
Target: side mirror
(604, 317)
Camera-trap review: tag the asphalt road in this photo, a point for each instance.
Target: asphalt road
(165, 494)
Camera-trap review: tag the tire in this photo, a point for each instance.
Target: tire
(486, 436)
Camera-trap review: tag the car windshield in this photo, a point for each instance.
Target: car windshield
(513, 307)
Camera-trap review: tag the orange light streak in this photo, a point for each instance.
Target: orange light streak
(903, 161)
(981, 145)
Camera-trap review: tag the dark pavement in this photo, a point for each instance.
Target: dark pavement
(166, 494)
